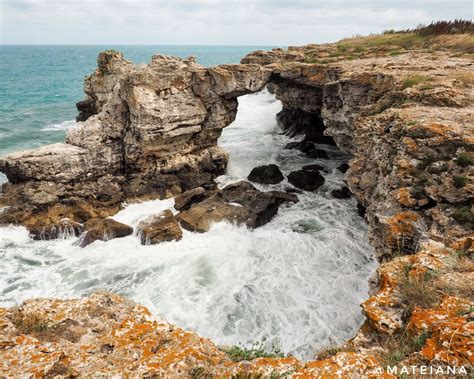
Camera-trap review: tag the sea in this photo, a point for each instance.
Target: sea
(294, 284)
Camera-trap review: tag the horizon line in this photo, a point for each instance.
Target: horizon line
(127, 44)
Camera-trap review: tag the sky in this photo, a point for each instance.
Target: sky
(213, 22)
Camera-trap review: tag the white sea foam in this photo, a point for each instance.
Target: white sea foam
(296, 281)
(65, 125)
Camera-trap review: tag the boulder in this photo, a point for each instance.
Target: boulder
(103, 229)
(306, 180)
(240, 203)
(342, 193)
(269, 174)
(159, 228)
(190, 197)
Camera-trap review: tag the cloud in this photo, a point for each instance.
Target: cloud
(243, 22)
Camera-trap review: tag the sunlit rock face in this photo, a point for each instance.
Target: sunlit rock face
(148, 131)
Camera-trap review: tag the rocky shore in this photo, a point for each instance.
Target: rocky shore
(405, 114)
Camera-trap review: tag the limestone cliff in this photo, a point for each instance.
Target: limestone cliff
(403, 110)
(148, 131)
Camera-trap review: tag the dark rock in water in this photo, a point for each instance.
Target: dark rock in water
(343, 167)
(314, 167)
(239, 203)
(303, 146)
(103, 229)
(292, 145)
(342, 193)
(159, 228)
(317, 153)
(269, 174)
(284, 197)
(292, 190)
(361, 210)
(190, 197)
(307, 180)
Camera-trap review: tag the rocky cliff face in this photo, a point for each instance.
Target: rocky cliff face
(412, 143)
(148, 131)
(152, 130)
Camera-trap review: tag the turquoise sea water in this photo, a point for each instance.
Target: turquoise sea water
(39, 85)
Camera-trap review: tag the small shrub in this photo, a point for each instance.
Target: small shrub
(464, 216)
(465, 160)
(413, 80)
(425, 162)
(460, 181)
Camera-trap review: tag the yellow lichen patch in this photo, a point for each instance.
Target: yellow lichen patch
(451, 331)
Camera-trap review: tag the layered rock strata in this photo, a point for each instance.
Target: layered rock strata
(148, 131)
(405, 116)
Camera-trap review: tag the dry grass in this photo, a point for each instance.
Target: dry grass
(415, 79)
(420, 291)
(398, 347)
(465, 77)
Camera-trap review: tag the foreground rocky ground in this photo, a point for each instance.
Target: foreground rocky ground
(401, 104)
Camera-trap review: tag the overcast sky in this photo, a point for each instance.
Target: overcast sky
(212, 22)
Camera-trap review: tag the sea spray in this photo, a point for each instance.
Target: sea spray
(296, 282)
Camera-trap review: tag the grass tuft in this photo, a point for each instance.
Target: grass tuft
(413, 80)
(465, 160)
(460, 181)
(240, 353)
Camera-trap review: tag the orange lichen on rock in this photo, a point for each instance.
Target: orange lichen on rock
(344, 364)
(450, 329)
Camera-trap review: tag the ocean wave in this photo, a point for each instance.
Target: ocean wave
(65, 125)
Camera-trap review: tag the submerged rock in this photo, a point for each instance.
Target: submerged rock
(342, 193)
(314, 167)
(159, 228)
(306, 180)
(343, 167)
(317, 153)
(239, 203)
(104, 230)
(269, 174)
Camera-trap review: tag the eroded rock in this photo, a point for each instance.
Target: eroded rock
(148, 131)
(104, 230)
(159, 228)
(239, 203)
